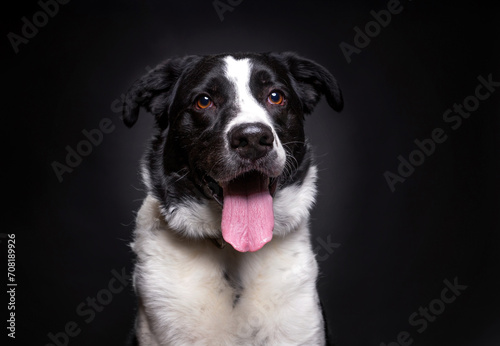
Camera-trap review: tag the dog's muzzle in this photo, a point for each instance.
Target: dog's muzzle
(247, 196)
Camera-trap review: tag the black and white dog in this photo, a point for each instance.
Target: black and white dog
(229, 163)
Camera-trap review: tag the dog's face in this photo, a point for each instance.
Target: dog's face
(230, 133)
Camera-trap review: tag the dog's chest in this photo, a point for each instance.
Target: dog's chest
(197, 293)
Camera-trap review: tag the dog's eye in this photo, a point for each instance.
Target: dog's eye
(275, 98)
(204, 102)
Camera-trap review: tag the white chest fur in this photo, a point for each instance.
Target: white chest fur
(193, 293)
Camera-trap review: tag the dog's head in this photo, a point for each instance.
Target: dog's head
(230, 147)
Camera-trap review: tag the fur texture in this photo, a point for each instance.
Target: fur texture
(192, 292)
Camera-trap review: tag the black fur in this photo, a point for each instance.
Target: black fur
(187, 144)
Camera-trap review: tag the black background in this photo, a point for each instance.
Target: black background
(393, 249)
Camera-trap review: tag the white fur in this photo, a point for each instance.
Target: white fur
(291, 205)
(185, 299)
(195, 219)
(238, 72)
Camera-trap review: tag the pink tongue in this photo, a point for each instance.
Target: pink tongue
(247, 215)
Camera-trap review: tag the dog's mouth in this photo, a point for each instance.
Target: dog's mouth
(247, 208)
(215, 190)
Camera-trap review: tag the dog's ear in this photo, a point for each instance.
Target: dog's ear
(313, 81)
(155, 91)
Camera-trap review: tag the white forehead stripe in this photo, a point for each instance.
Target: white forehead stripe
(238, 72)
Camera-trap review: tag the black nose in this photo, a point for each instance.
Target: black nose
(251, 141)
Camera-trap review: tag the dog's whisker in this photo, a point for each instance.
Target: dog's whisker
(293, 142)
(182, 177)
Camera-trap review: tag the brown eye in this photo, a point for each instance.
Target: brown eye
(275, 98)
(204, 102)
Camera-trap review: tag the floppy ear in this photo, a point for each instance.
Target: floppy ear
(313, 81)
(154, 91)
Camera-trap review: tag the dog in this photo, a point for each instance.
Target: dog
(222, 242)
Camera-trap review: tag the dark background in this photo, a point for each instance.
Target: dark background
(393, 250)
